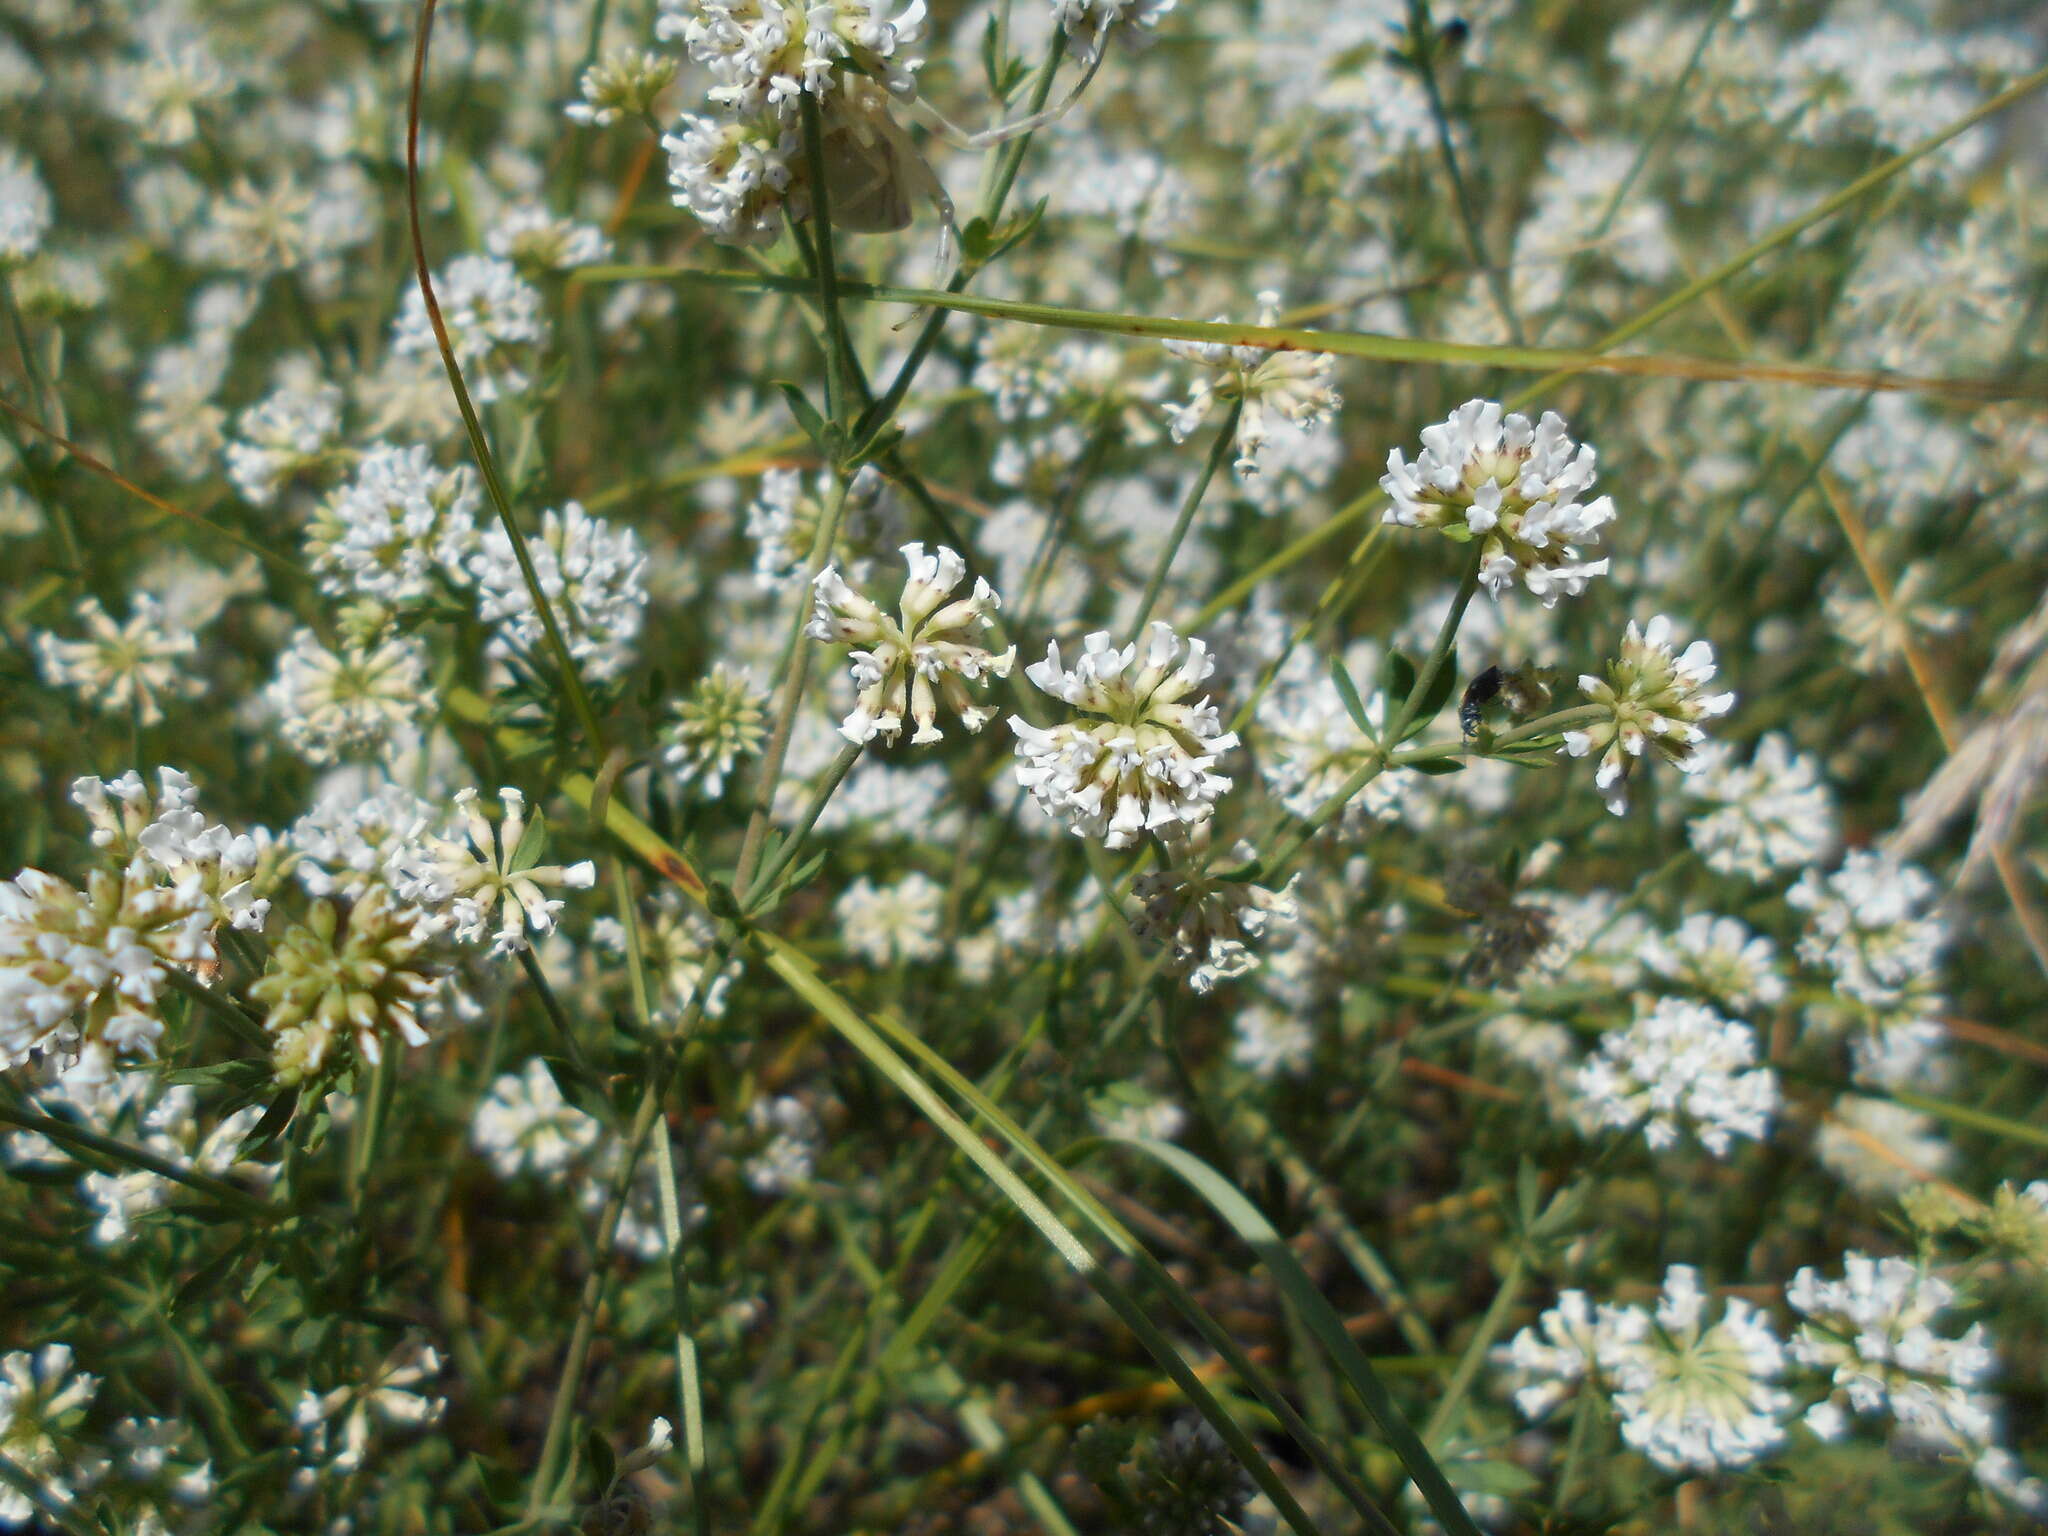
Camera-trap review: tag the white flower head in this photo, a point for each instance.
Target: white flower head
(1694, 1397)
(494, 323)
(481, 876)
(1653, 701)
(25, 210)
(133, 666)
(594, 576)
(396, 529)
(1773, 813)
(1147, 761)
(888, 924)
(1514, 487)
(1873, 1332)
(1547, 1363)
(1289, 383)
(764, 54)
(1090, 23)
(524, 1125)
(723, 719)
(329, 703)
(907, 665)
(1680, 1067)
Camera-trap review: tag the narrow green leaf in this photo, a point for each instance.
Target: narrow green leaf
(1439, 694)
(270, 1127)
(807, 416)
(1354, 706)
(604, 1465)
(1322, 1320)
(1976, 1119)
(1397, 678)
(795, 969)
(1437, 765)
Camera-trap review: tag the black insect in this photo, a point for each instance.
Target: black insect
(1524, 690)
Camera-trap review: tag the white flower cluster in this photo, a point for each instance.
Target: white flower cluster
(733, 174)
(349, 843)
(285, 433)
(41, 1402)
(1147, 762)
(735, 171)
(524, 1125)
(787, 1137)
(1289, 383)
(624, 83)
(1680, 1067)
(1719, 957)
(1770, 814)
(1088, 23)
(81, 971)
(763, 54)
(1870, 927)
(1309, 745)
(1869, 924)
(534, 240)
(335, 1427)
(676, 946)
(126, 668)
(1512, 486)
(891, 924)
(1872, 1332)
(905, 666)
(594, 576)
(724, 719)
(330, 703)
(1653, 700)
(25, 211)
(395, 528)
(494, 321)
(166, 1124)
(485, 873)
(1692, 1397)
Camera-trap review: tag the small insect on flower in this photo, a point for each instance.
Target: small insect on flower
(1524, 691)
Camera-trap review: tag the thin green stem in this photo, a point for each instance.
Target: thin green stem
(1439, 652)
(837, 346)
(547, 1467)
(1674, 102)
(1558, 364)
(1226, 437)
(796, 667)
(1422, 47)
(849, 754)
(1490, 1327)
(76, 1138)
(572, 678)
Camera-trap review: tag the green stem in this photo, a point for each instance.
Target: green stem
(1225, 438)
(1439, 652)
(1557, 364)
(77, 1138)
(849, 754)
(837, 347)
(1674, 101)
(1422, 41)
(1562, 720)
(1490, 1326)
(572, 678)
(546, 1469)
(796, 667)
